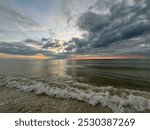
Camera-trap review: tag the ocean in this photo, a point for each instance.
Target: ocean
(75, 85)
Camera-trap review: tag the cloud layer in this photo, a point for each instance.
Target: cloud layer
(111, 27)
(26, 47)
(110, 24)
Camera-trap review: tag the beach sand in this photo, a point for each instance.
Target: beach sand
(18, 101)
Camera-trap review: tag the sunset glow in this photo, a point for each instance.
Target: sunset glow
(8, 56)
(106, 57)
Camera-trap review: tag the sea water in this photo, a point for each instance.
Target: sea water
(75, 85)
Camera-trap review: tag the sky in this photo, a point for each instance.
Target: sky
(71, 28)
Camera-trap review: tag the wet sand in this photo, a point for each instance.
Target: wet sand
(13, 100)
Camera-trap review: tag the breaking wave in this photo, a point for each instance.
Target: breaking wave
(119, 100)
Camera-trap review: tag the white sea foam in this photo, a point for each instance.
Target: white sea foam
(119, 100)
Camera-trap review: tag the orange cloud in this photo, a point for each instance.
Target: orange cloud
(106, 57)
(8, 56)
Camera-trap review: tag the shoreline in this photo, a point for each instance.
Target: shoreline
(16, 101)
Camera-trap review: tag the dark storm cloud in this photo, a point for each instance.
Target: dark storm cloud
(50, 42)
(76, 45)
(31, 47)
(26, 47)
(17, 48)
(53, 43)
(92, 22)
(137, 46)
(112, 21)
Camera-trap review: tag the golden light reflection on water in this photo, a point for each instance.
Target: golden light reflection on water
(33, 68)
(50, 67)
(60, 66)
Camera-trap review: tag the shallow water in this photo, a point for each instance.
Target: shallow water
(91, 85)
